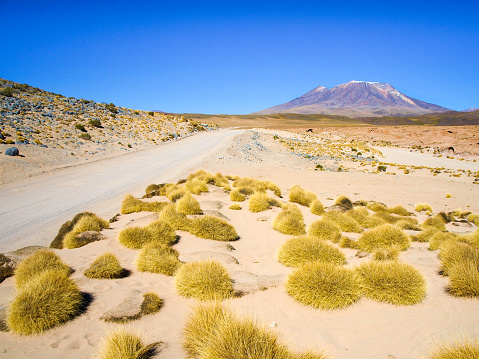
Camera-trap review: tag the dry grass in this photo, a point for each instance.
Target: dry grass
(346, 242)
(87, 222)
(289, 221)
(177, 220)
(237, 196)
(197, 185)
(392, 282)
(210, 227)
(123, 345)
(377, 207)
(106, 266)
(131, 204)
(47, 300)
(435, 222)
(235, 207)
(175, 192)
(203, 280)
(386, 254)
(67, 227)
(301, 196)
(344, 202)
(158, 258)
(464, 349)
(36, 264)
(325, 229)
(464, 279)
(316, 207)
(454, 253)
(323, 285)
(406, 223)
(188, 205)
(425, 235)
(151, 304)
(438, 238)
(400, 211)
(260, 202)
(384, 236)
(345, 222)
(423, 207)
(299, 250)
(159, 232)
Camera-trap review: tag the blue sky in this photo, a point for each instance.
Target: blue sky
(238, 57)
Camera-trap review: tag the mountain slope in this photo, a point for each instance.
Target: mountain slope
(355, 99)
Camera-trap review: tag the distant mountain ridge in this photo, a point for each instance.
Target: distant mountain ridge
(356, 99)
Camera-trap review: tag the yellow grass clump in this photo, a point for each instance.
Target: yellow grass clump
(177, 220)
(464, 279)
(435, 222)
(423, 207)
(345, 242)
(316, 207)
(299, 195)
(237, 196)
(253, 185)
(211, 227)
(406, 223)
(344, 221)
(131, 204)
(465, 349)
(36, 264)
(204, 280)
(377, 207)
(47, 300)
(438, 238)
(123, 345)
(386, 254)
(299, 250)
(196, 185)
(175, 193)
(106, 266)
(454, 252)
(344, 202)
(289, 221)
(400, 211)
(235, 207)
(323, 285)
(325, 229)
(425, 235)
(151, 304)
(260, 201)
(384, 236)
(471, 238)
(159, 232)
(188, 205)
(87, 222)
(158, 258)
(392, 282)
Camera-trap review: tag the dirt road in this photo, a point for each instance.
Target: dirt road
(32, 210)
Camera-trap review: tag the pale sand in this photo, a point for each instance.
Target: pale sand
(364, 330)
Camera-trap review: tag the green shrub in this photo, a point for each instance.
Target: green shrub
(323, 285)
(80, 127)
(303, 249)
(47, 300)
(159, 232)
(188, 205)
(325, 229)
(210, 227)
(289, 221)
(316, 207)
(131, 204)
(392, 282)
(95, 123)
(158, 258)
(301, 196)
(106, 266)
(36, 264)
(345, 222)
(203, 280)
(384, 236)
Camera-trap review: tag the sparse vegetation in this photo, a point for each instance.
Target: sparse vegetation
(131, 204)
(423, 207)
(235, 206)
(106, 266)
(203, 280)
(158, 258)
(464, 349)
(159, 232)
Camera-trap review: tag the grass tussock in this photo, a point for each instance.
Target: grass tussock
(454, 252)
(301, 196)
(36, 264)
(235, 207)
(362, 216)
(159, 232)
(377, 207)
(407, 224)
(197, 185)
(425, 235)
(343, 202)
(423, 207)
(151, 304)
(391, 282)
(344, 221)
(158, 258)
(203, 280)
(87, 222)
(299, 250)
(67, 227)
(323, 285)
(345, 242)
(260, 202)
(237, 196)
(253, 185)
(211, 227)
(175, 192)
(464, 279)
(188, 205)
(106, 266)
(438, 238)
(289, 221)
(465, 349)
(435, 222)
(131, 204)
(123, 345)
(47, 300)
(400, 211)
(386, 254)
(384, 236)
(325, 229)
(316, 207)
(177, 220)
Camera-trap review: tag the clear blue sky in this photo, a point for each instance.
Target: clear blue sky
(238, 57)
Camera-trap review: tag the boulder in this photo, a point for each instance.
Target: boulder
(12, 151)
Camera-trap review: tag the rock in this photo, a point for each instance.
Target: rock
(361, 254)
(262, 219)
(90, 236)
(128, 309)
(12, 151)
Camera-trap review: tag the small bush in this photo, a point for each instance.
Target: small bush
(435, 222)
(464, 279)
(203, 280)
(384, 236)
(210, 227)
(80, 127)
(325, 229)
(85, 224)
(151, 304)
(289, 221)
(123, 345)
(316, 207)
(438, 238)
(303, 249)
(158, 258)
(196, 186)
(237, 196)
(386, 254)
(67, 227)
(344, 202)
(235, 207)
(392, 282)
(260, 201)
(95, 123)
(188, 205)
(400, 210)
(323, 285)
(425, 235)
(344, 221)
(36, 264)
(466, 349)
(159, 232)
(301, 196)
(453, 253)
(131, 204)
(177, 220)
(106, 266)
(47, 300)
(423, 207)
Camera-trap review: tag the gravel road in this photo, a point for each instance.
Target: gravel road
(33, 209)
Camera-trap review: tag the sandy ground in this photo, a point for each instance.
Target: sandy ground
(366, 329)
